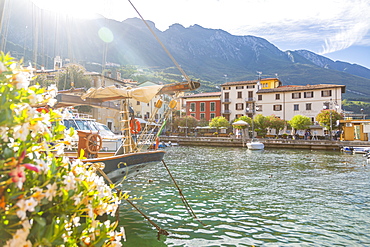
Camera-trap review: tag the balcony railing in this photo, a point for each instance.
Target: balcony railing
(226, 101)
(251, 99)
(226, 112)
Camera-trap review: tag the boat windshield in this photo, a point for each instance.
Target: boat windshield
(69, 124)
(85, 124)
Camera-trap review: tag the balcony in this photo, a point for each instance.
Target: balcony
(226, 101)
(252, 99)
(226, 112)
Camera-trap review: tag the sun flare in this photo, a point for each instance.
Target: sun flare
(83, 9)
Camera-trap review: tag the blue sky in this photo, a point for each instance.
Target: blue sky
(337, 29)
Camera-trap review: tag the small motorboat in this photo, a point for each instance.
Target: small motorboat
(255, 145)
(355, 150)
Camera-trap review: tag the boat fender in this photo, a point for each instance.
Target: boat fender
(172, 104)
(135, 126)
(159, 103)
(156, 143)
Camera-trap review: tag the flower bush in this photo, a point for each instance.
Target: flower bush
(45, 199)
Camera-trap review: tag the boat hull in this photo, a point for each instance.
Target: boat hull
(255, 145)
(118, 167)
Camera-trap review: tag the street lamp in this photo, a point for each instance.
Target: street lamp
(186, 121)
(254, 108)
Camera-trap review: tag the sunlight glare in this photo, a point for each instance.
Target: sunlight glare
(82, 9)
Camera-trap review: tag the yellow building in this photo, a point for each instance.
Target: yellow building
(355, 129)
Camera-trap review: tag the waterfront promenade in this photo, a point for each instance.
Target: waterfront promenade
(269, 143)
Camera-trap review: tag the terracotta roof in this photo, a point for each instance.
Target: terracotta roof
(247, 82)
(290, 88)
(200, 95)
(230, 83)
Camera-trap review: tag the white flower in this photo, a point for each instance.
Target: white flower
(21, 131)
(31, 204)
(52, 102)
(4, 133)
(53, 90)
(59, 148)
(69, 181)
(22, 80)
(51, 191)
(20, 239)
(2, 67)
(21, 212)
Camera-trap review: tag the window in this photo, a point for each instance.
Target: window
(192, 106)
(202, 106)
(239, 106)
(278, 107)
(258, 107)
(296, 95)
(227, 96)
(260, 97)
(308, 106)
(296, 107)
(226, 107)
(227, 88)
(250, 95)
(239, 95)
(325, 93)
(308, 94)
(213, 106)
(239, 87)
(192, 114)
(202, 116)
(265, 84)
(277, 96)
(213, 115)
(137, 102)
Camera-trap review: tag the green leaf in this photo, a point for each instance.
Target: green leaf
(40, 220)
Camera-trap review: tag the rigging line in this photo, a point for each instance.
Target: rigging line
(188, 207)
(160, 42)
(160, 230)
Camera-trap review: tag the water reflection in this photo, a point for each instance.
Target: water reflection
(265, 198)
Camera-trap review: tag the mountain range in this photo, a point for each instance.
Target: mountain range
(211, 55)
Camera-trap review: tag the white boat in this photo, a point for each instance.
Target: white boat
(355, 150)
(255, 145)
(110, 141)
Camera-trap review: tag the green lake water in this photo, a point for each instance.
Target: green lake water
(263, 198)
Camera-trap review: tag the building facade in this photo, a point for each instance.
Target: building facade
(203, 106)
(269, 97)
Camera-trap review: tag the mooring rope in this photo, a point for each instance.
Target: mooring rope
(159, 229)
(186, 204)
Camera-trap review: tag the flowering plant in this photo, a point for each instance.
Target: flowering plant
(45, 199)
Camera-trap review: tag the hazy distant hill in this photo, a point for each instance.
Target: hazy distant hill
(208, 54)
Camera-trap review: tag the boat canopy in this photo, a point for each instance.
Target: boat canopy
(142, 94)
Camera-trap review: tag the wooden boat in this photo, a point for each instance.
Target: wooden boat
(117, 167)
(133, 155)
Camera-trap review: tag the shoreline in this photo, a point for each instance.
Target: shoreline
(334, 145)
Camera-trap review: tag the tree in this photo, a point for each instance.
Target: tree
(187, 121)
(73, 73)
(245, 119)
(300, 122)
(261, 123)
(324, 118)
(276, 123)
(219, 122)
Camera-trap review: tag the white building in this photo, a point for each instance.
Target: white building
(269, 97)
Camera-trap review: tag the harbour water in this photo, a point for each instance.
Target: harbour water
(252, 198)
